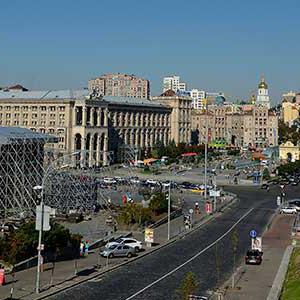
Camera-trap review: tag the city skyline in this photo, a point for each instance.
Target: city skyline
(211, 46)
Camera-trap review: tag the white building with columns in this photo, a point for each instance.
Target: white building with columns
(95, 124)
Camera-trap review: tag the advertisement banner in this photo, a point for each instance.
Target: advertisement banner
(149, 235)
(208, 208)
(256, 244)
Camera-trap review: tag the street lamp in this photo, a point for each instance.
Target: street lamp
(205, 149)
(41, 227)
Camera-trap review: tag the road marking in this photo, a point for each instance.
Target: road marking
(192, 258)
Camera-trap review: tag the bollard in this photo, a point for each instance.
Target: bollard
(2, 277)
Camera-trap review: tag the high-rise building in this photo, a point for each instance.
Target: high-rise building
(263, 98)
(121, 85)
(198, 97)
(173, 83)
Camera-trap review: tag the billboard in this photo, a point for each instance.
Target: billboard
(149, 235)
(256, 244)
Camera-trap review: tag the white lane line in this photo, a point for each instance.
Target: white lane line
(192, 258)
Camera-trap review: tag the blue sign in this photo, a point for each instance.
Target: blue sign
(253, 233)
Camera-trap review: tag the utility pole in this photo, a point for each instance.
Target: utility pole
(37, 288)
(169, 210)
(215, 196)
(205, 150)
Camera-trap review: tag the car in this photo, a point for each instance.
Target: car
(253, 257)
(109, 180)
(151, 181)
(295, 183)
(137, 245)
(117, 250)
(264, 186)
(295, 203)
(288, 210)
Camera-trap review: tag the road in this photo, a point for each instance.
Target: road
(138, 277)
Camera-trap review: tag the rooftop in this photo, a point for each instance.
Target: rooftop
(12, 134)
(75, 94)
(49, 94)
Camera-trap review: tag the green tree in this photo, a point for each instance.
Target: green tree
(187, 287)
(234, 242)
(159, 203)
(266, 174)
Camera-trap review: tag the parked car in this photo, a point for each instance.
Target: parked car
(264, 186)
(253, 257)
(117, 250)
(288, 210)
(295, 203)
(137, 245)
(109, 180)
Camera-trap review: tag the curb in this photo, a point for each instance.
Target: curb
(174, 239)
(276, 289)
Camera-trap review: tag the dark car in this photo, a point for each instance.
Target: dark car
(253, 257)
(264, 186)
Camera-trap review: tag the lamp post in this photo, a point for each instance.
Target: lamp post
(205, 150)
(169, 209)
(41, 227)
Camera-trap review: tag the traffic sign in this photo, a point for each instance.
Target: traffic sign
(278, 200)
(191, 211)
(253, 233)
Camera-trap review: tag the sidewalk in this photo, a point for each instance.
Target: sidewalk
(257, 281)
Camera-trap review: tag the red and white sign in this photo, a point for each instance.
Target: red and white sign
(208, 208)
(256, 244)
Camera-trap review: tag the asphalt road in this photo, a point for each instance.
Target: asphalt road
(211, 268)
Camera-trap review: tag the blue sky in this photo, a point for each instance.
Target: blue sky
(215, 45)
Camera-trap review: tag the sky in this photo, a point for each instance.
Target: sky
(214, 45)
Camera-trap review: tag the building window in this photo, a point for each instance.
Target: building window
(33, 122)
(43, 108)
(25, 108)
(16, 108)
(34, 108)
(52, 108)
(7, 116)
(34, 116)
(25, 123)
(62, 108)
(52, 116)
(52, 123)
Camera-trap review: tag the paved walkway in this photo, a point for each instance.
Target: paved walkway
(257, 281)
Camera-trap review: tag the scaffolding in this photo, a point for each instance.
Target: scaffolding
(27, 160)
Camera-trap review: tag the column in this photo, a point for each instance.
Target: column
(151, 136)
(126, 119)
(82, 152)
(98, 150)
(105, 151)
(92, 110)
(99, 110)
(75, 111)
(91, 151)
(137, 138)
(142, 138)
(84, 115)
(105, 117)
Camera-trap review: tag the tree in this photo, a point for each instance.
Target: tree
(159, 203)
(234, 242)
(266, 174)
(187, 287)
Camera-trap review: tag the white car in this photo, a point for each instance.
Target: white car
(137, 245)
(151, 181)
(288, 210)
(109, 180)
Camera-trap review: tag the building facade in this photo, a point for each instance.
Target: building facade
(173, 83)
(257, 127)
(98, 125)
(198, 97)
(180, 119)
(290, 111)
(120, 85)
(289, 151)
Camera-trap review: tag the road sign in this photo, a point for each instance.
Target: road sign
(253, 233)
(213, 193)
(191, 211)
(45, 212)
(278, 200)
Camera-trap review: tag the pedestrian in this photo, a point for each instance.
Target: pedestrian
(86, 248)
(82, 248)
